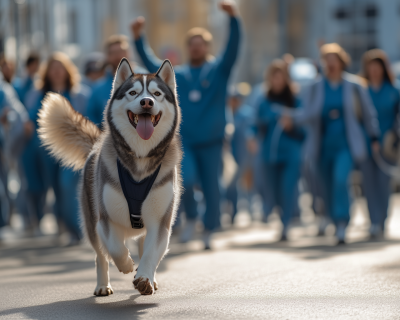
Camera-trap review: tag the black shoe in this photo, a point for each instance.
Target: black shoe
(283, 238)
(341, 243)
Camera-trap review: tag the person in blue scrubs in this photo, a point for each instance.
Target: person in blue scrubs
(386, 99)
(337, 110)
(242, 116)
(59, 75)
(26, 84)
(23, 86)
(116, 48)
(14, 127)
(94, 69)
(202, 85)
(280, 147)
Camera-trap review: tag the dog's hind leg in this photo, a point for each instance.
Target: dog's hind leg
(115, 244)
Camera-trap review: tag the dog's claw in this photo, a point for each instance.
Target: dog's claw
(143, 286)
(103, 291)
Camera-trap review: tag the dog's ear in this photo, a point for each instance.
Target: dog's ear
(167, 74)
(124, 71)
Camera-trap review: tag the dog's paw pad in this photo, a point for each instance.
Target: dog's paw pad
(103, 291)
(127, 267)
(143, 285)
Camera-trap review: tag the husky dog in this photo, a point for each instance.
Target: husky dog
(140, 141)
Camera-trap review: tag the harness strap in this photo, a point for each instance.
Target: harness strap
(135, 193)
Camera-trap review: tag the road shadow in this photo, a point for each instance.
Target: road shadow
(87, 308)
(36, 253)
(319, 251)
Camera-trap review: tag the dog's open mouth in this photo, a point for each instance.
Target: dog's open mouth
(144, 123)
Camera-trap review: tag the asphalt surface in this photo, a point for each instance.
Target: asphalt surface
(248, 275)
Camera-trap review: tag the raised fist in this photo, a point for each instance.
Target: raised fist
(229, 7)
(137, 27)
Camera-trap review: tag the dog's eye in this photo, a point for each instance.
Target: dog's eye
(132, 93)
(157, 93)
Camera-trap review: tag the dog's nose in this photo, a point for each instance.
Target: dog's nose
(147, 103)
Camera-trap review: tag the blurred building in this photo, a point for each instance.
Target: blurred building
(271, 27)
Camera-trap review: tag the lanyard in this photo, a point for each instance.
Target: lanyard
(203, 74)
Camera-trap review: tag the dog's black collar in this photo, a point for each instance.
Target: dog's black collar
(135, 193)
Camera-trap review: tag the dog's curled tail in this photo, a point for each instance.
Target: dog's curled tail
(65, 132)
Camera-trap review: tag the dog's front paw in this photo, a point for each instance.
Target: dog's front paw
(103, 290)
(155, 284)
(125, 267)
(143, 285)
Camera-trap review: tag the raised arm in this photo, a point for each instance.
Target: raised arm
(149, 59)
(228, 57)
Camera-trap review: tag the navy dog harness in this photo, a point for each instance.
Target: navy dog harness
(135, 193)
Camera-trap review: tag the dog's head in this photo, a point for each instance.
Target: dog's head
(143, 107)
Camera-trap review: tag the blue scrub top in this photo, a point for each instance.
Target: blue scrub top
(334, 137)
(101, 93)
(277, 145)
(203, 120)
(242, 120)
(22, 87)
(386, 101)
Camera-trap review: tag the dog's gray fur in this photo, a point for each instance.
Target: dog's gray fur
(103, 206)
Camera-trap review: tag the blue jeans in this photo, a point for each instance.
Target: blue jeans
(335, 172)
(203, 164)
(376, 187)
(282, 187)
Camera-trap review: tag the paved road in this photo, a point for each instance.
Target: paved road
(247, 276)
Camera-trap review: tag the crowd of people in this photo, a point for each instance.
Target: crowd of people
(340, 123)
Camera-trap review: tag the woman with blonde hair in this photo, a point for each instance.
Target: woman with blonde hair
(57, 74)
(386, 99)
(280, 147)
(337, 110)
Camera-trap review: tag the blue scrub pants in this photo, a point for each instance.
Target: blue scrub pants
(376, 187)
(41, 172)
(234, 189)
(203, 164)
(4, 197)
(231, 193)
(260, 178)
(35, 172)
(282, 187)
(69, 204)
(335, 172)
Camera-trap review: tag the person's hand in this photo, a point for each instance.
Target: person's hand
(376, 147)
(252, 146)
(28, 129)
(229, 7)
(286, 123)
(137, 27)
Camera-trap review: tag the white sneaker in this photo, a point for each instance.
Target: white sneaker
(188, 231)
(341, 232)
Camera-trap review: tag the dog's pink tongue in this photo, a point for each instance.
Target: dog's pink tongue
(144, 126)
